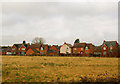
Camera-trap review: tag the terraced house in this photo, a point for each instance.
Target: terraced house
(38, 49)
(20, 49)
(66, 49)
(53, 50)
(107, 49)
(82, 49)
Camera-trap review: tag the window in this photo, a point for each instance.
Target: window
(67, 48)
(23, 48)
(18, 48)
(81, 48)
(86, 52)
(104, 53)
(23, 53)
(41, 48)
(75, 49)
(13, 48)
(110, 48)
(104, 48)
(86, 48)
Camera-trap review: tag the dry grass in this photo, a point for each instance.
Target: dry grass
(59, 69)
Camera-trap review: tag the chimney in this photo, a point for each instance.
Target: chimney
(24, 42)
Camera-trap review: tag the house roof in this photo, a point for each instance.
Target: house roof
(51, 50)
(79, 45)
(35, 45)
(68, 44)
(18, 45)
(97, 47)
(5, 48)
(35, 50)
(109, 43)
(56, 46)
(26, 45)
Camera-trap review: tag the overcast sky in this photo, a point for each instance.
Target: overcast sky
(59, 22)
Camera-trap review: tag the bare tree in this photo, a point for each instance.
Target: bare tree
(38, 40)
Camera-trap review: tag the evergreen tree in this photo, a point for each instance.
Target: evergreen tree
(77, 41)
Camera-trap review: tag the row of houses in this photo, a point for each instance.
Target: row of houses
(107, 49)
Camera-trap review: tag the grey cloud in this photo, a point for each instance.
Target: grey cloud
(60, 21)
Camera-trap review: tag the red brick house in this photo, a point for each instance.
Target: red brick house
(42, 48)
(110, 49)
(24, 48)
(82, 49)
(53, 50)
(33, 49)
(20, 49)
(5, 50)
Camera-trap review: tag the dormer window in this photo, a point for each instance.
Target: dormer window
(104, 48)
(41, 48)
(86, 48)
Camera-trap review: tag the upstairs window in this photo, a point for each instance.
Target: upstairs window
(41, 48)
(110, 48)
(75, 49)
(86, 48)
(23, 48)
(81, 48)
(104, 48)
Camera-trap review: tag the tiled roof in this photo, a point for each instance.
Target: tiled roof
(18, 45)
(35, 45)
(109, 43)
(51, 50)
(79, 45)
(97, 48)
(68, 44)
(26, 45)
(35, 50)
(5, 48)
(56, 46)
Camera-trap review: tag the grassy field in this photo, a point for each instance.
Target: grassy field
(59, 69)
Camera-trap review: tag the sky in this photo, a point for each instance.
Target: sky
(59, 22)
